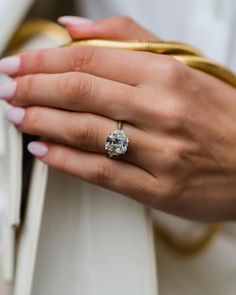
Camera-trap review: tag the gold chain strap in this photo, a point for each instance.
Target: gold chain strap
(179, 51)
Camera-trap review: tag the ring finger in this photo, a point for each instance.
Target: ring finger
(81, 130)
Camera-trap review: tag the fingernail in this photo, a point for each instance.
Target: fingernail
(10, 65)
(15, 115)
(74, 20)
(7, 90)
(38, 149)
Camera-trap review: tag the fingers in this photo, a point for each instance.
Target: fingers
(96, 61)
(119, 27)
(80, 130)
(76, 92)
(116, 175)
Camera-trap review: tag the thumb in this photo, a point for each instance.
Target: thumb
(119, 27)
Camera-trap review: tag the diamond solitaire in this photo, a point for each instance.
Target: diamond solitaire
(116, 143)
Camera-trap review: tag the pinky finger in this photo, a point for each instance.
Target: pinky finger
(95, 168)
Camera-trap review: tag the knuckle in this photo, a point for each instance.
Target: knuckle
(174, 73)
(169, 191)
(172, 70)
(126, 22)
(63, 159)
(101, 174)
(31, 122)
(37, 61)
(84, 132)
(83, 58)
(75, 87)
(85, 86)
(177, 154)
(173, 156)
(69, 87)
(172, 114)
(175, 114)
(25, 89)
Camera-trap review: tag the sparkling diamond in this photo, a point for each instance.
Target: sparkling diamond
(117, 143)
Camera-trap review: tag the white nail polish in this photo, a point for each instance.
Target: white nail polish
(7, 90)
(38, 149)
(74, 21)
(15, 115)
(10, 65)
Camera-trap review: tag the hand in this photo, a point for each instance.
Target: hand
(180, 121)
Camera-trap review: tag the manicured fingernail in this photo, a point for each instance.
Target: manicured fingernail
(15, 115)
(74, 20)
(10, 65)
(38, 149)
(7, 90)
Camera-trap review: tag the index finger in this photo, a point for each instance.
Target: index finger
(113, 28)
(112, 64)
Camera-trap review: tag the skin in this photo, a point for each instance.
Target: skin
(180, 121)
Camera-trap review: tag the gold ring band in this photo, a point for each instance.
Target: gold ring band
(119, 125)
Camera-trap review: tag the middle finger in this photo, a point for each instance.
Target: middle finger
(76, 92)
